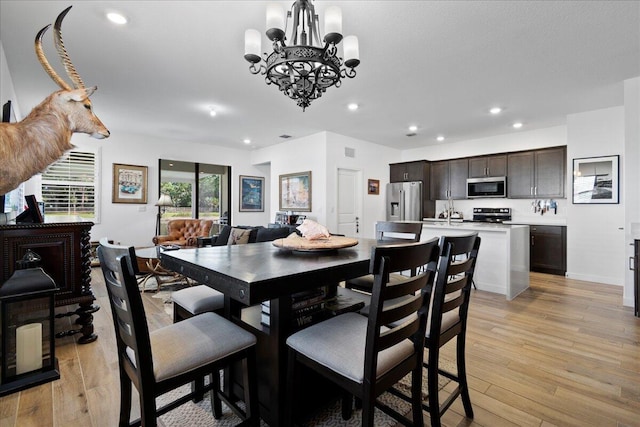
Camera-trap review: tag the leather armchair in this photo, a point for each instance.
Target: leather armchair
(184, 232)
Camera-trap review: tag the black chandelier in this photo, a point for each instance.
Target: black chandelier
(304, 70)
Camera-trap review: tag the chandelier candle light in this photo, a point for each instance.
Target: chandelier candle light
(305, 69)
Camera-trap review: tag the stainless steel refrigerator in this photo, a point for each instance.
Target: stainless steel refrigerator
(404, 201)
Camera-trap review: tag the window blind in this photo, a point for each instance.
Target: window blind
(69, 186)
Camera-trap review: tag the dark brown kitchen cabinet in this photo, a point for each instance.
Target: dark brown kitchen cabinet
(409, 171)
(538, 174)
(485, 166)
(548, 249)
(419, 170)
(636, 278)
(449, 179)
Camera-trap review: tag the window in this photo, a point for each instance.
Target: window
(70, 186)
(197, 190)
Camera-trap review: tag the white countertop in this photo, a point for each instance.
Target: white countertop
(529, 221)
(479, 226)
(541, 221)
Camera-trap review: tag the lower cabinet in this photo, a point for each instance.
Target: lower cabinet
(548, 249)
(636, 278)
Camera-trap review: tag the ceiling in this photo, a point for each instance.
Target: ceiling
(439, 65)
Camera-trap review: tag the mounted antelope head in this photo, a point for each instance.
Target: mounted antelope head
(29, 146)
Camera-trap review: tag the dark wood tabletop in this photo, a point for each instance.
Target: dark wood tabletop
(257, 272)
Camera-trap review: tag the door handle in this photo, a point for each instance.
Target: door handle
(533, 241)
(632, 263)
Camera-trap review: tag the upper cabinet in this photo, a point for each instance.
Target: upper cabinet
(449, 179)
(537, 174)
(409, 171)
(485, 166)
(415, 171)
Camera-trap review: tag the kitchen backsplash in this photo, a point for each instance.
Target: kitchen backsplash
(521, 209)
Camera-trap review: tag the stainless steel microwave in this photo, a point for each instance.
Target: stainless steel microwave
(493, 186)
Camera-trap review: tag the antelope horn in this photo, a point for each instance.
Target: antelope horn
(62, 52)
(45, 64)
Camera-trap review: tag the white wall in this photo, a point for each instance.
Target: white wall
(298, 155)
(631, 175)
(373, 161)
(134, 224)
(514, 141)
(7, 91)
(323, 155)
(595, 232)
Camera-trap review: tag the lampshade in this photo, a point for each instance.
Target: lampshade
(164, 200)
(303, 64)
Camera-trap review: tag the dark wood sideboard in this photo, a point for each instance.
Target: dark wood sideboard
(65, 249)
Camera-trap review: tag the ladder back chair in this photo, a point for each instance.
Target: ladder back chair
(361, 355)
(409, 231)
(449, 307)
(174, 355)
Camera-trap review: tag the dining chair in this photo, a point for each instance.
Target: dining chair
(409, 231)
(167, 358)
(361, 355)
(449, 307)
(194, 300)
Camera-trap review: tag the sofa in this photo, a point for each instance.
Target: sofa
(241, 234)
(185, 232)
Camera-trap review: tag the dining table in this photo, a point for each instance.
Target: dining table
(250, 274)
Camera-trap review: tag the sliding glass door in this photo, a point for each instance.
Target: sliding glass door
(197, 190)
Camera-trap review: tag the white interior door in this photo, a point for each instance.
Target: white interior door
(349, 202)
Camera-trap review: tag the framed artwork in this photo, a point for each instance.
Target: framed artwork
(295, 192)
(251, 194)
(596, 180)
(373, 186)
(129, 184)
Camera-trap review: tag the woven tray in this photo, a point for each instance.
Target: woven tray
(297, 243)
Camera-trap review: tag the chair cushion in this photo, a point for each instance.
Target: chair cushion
(198, 299)
(365, 283)
(194, 342)
(339, 344)
(449, 319)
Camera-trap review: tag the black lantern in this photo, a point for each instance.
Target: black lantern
(27, 316)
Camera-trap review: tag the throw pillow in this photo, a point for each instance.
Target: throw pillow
(239, 236)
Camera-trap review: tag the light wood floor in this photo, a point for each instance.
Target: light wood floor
(565, 353)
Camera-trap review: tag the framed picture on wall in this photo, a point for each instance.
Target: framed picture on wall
(129, 184)
(251, 194)
(373, 186)
(295, 192)
(596, 180)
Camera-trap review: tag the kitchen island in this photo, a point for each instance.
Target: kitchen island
(503, 260)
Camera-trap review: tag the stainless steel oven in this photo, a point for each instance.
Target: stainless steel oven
(495, 215)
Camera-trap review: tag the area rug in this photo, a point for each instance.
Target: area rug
(200, 415)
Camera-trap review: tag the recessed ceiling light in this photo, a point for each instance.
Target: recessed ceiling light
(246, 141)
(116, 18)
(517, 125)
(413, 128)
(212, 112)
(440, 138)
(495, 110)
(353, 106)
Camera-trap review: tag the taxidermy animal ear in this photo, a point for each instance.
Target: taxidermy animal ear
(79, 94)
